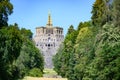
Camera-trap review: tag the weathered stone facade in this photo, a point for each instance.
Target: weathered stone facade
(48, 40)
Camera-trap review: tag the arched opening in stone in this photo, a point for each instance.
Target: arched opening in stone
(48, 45)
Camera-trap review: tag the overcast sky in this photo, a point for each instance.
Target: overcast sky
(34, 13)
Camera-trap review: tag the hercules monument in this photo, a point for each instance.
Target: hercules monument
(48, 39)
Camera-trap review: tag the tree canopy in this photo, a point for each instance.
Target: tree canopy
(94, 53)
(6, 9)
(18, 55)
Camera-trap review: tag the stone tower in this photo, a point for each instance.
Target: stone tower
(48, 40)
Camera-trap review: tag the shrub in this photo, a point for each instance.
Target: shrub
(35, 72)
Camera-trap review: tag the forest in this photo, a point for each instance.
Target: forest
(92, 51)
(18, 55)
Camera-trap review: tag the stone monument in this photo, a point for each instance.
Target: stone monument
(48, 39)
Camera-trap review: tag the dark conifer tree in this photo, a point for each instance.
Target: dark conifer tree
(6, 9)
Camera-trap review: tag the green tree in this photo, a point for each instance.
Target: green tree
(106, 61)
(57, 60)
(26, 33)
(116, 12)
(5, 10)
(10, 47)
(70, 29)
(101, 12)
(83, 24)
(83, 49)
(62, 64)
(67, 59)
(18, 54)
(30, 58)
(68, 51)
(92, 53)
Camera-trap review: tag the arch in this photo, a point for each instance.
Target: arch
(49, 45)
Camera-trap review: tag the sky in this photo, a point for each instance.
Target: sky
(30, 14)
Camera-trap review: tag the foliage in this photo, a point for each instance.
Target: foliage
(35, 72)
(5, 10)
(83, 48)
(71, 29)
(94, 53)
(106, 61)
(57, 60)
(116, 12)
(10, 47)
(30, 57)
(61, 62)
(18, 54)
(88, 53)
(101, 12)
(26, 33)
(66, 59)
(85, 24)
